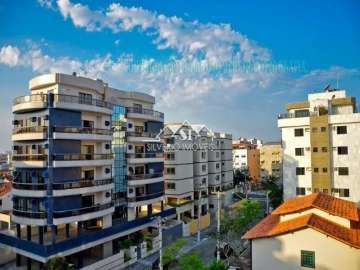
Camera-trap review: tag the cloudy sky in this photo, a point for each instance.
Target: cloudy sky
(232, 65)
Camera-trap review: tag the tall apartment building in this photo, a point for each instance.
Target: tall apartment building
(271, 160)
(246, 156)
(84, 176)
(320, 140)
(197, 164)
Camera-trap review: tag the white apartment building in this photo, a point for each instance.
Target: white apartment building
(197, 164)
(321, 144)
(240, 158)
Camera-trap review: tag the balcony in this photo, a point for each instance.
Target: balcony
(79, 103)
(81, 214)
(29, 161)
(29, 217)
(147, 114)
(29, 189)
(29, 103)
(145, 199)
(82, 187)
(79, 160)
(29, 133)
(82, 133)
(135, 137)
(144, 158)
(143, 179)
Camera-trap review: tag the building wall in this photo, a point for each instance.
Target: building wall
(254, 164)
(284, 251)
(271, 161)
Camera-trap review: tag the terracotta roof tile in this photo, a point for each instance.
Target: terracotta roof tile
(5, 188)
(271, 226)
(327, 203)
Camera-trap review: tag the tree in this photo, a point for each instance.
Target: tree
(191, 261)
(217, 265)
(170, 252)
(57, 263)
(270, 184)
(240, 176)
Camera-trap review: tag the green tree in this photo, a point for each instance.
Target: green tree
(215, 265)
(191, 261)
(271, 185)
(57, 263)
(170, 252)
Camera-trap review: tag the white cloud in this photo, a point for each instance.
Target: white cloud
(9, 55)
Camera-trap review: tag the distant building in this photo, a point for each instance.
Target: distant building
(246, 156)
(317, 231)
(321, 144)
(271, 160)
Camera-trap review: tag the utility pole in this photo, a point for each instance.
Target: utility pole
(199, 213)
(160, 243)
(218, 227)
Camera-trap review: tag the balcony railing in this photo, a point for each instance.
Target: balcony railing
(301, 114)
(83, 130)
(145, 111)
(80, 100)
(69, 157)
(28, 213)
(145, 155)
(24, 157)
(143, 176)
(36, 129)
(30, 186)
(145, 197)
(141, 134)
(82, 184)
(30, 98)
(81, 211)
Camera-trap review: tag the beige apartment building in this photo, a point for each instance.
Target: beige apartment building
(271, 160)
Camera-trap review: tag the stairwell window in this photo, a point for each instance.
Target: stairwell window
(342, 150)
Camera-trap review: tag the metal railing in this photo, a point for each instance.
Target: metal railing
(82, 183)
(30, 157)
(144, 176)
(145, 111)
(145, 197)
(30, 98)
(301, 114)
(29, 186)
(81, 211)
(28, 213)
(145, 155)
(84, 130)
(35, 129)
(69, 157)
(81, 100)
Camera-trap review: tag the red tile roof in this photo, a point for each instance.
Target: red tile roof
(5, 188)
(270, 226)
(335, 206)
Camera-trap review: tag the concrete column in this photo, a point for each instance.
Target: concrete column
(28, 232)
(67, 229)
(18, 230)
(41, 235)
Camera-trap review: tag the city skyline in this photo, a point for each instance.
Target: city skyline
(139, 48)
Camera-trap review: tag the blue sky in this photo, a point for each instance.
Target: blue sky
(320, 40)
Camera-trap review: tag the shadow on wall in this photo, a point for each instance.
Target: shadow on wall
(290, 182)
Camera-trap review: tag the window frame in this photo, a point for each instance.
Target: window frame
(305, 256)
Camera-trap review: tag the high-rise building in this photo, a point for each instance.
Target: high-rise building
(197, 164)
(84, 173)
(271, 160)
(321, 144)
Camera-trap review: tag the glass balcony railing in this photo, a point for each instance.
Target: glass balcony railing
(143, 176)
(145, 155)
(141, 134)
(29, 186)
(80, 100)
(82, 184)
(30, 98)
(36, 129)
(145, 111)
(28, 213)
(81, 211)
(83, 130)
(146, 197)
(69, 157)
(25, 157)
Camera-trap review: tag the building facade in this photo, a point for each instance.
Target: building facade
(271, 160)
(317, 231)
(320, 140)
(197, 165)
(77, 190)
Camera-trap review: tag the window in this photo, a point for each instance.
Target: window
(107, 146)
(217, 166)
(170, 185)
(325, 190)
(344, 192)
(85, 98)
(324, 170)
(300, 191)
(342, 150)
(323, 129)
(218, 154)
(315, 150)
(170, 170)
(203, 155)
(88, 124)
(343, 171)
(130, 125)
(316, 170)
(107, 170)
(314, 130)
(130, 147)
(299, 132)
(107, 123)
(324, 149)
(341, 130)
(170, 156)
(203, 181)
(299, 151)
(308, 259)
(300, 171)
(203, 168)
